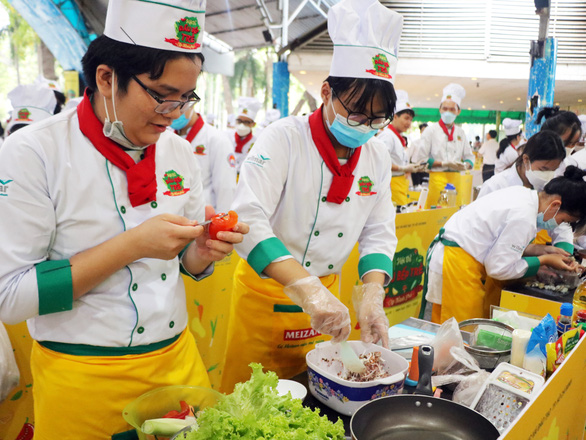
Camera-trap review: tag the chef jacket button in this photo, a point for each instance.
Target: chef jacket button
(340, 234)
(323, 199)
(123, 210)
(163, 276)
(172, 324)
(140, 330)
(307, 264)
(331, 266)
(154, 204)
(134, 287)
(347, 199)
(316, 233)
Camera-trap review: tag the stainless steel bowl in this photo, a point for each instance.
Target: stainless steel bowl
(489, 341)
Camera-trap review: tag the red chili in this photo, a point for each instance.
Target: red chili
(222, 222)
(174, 414)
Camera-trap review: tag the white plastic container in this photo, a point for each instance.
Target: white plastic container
(345, 396)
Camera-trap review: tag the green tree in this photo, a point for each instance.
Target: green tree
(249, 74)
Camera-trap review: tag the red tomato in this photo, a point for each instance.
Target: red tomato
(222, 222)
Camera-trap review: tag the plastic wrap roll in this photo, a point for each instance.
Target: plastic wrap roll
(520, 340)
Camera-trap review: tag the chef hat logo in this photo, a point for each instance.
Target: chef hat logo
(23, 115)
(381, 66)
(187, 30)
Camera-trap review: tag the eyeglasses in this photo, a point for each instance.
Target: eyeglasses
(168, 105)
(356, 118)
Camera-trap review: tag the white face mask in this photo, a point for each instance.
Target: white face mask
(243, 130)
(448, 117)
(115, 130)
(538, 179)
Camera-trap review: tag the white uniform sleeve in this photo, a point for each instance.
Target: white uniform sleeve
(223, 172)
(27, 227)
(467, 153)
(423, 153)
(562, 234)
(258, 192)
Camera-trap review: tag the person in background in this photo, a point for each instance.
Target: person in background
(578, 157)
(565, 123)
(213, 150)
(488, 153)
(417, 178)
(311, 188)
(101, 216)
(444, 146)
(211, 119)
(231, 122)
(1, 135)
(243, 138)
(272, 115)
(31, 103)
(54, 86)
(476, 145)
(507, 152)
(487, 242)
(397, 147)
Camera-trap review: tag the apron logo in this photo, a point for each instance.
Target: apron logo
(4, 187)
(407, 276)
(297, 335)
(258, 159)
(381, 66)
(187, 30)
(459, 138)
(364, 185)
(232, 161)
(23, 115)
(200, 150)
(174, 182)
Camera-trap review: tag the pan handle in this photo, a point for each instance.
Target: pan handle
(425, 366)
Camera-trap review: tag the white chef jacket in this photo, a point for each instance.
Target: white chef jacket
(245, 149)
(282, 193)
(215, 155)
(488, 152)
(64, 197)
(435, 146)
(494, 230)
(510, 177)
(399, 154)
(507, 158)
(577, 159)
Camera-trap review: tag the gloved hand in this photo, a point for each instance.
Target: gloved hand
(328, 315)
(454, 166)
(368, 304)
(413, 168)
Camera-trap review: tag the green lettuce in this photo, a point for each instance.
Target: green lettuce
(255, 411)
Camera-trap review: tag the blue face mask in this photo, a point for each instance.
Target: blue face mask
(180, 122)
(549, 225)
(448, 117)
(348, 136)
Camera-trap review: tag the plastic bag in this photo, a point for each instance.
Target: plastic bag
(536, 354)
(9, 374)
(469, 387)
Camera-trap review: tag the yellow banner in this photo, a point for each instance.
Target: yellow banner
(71, 84)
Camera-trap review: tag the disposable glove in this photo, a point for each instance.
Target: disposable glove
(328, 315)
(413, 168)
(368, 304)
(455, 166)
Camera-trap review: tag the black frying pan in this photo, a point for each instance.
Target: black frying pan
(420, 417)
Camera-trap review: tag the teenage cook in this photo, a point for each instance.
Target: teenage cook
(31, 103)
(243, 138)
(444, 146)
(508, 151)
(215, 155)
(101, 200)
(397, 146)
(486, 242)
(311, 188)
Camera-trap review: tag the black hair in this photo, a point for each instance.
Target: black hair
(571, 187)
(16, 127)
(1, 130)
(407, 110)
(367, 90)
(493, 134)
(477, 138)
(544, 145)
(60, 97)
(127, 60)
(424, 125)
(505, 143)
(559, 121)
(406, 140)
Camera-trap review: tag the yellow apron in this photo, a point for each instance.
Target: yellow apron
(399, 188)
(82, 397)
(267, 327)
(542, 237)
(438, 181)
(467, 292)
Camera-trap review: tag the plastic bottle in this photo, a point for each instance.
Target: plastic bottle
(579, 300)
(564, 322)
(580, 321)
(448, 196)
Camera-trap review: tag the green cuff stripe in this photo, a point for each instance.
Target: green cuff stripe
(533, 263)
(380, 262)
(568, 247)
(470, 162)
(286, 308)
(265, 252)
(430, 162)
(55, 286)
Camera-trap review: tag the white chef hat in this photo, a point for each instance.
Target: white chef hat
(402, 101)
(231, 119)
(366, 39)
(272, 115)
(52, 84)
(73, 103)
(582, 119)
(248, 107)
(31, 103)
(512, 126)
(164, 24)
(211, 118)
(455, 92)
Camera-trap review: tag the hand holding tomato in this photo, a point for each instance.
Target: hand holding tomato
(222, 222)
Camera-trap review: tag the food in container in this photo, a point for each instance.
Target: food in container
(325, 371)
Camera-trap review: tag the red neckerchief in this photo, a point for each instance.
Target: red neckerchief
(394, 130)
(142, 183)
(240, 143)
(343, 177)
(195, 129)
(450, 134)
